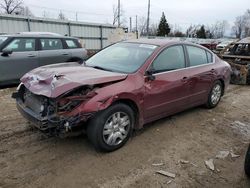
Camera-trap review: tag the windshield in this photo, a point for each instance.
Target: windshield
(2, 39)
(122, 57)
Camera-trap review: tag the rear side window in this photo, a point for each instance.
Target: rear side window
(71, 43)
(171, 58)
(51, 44)
(21, 45)
(197, 56)
(209, 57)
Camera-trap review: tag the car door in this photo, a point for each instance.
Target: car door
(24, 58)
(201, 74)
(168, 92)
(52, 51)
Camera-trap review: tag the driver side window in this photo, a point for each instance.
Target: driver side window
(171, 58)
(22, 45)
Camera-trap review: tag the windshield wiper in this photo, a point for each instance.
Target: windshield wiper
(101, 68)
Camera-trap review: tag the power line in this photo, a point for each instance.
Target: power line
(65, 10)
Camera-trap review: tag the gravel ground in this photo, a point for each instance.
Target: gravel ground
(179, 144)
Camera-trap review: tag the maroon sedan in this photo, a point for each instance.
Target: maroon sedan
(121, 88)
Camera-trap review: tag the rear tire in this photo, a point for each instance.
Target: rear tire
(111, 128)
(215, 95)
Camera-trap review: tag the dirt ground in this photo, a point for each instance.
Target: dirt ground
(29, 159)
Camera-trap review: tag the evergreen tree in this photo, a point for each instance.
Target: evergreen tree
(201, 33)
(163, 28)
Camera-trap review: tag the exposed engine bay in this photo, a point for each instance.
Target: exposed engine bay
(55, 114)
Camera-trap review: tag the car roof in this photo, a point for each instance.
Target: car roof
(244, 41)
(38, 35)
(161, 42)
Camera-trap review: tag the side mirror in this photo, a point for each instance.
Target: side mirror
(6, 52)
(149, 74)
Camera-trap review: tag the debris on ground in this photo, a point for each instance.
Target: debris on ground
(210, 164)
(194, 164)
(222, 154)
(169, 182)
(165, 173)
(234, 155)
(24, 151)
(183, 161)
(243, 128)
(157, 164)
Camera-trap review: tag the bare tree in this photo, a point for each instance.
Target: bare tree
(239, 26)
(217, 30)
(191, 31)
(115, 16)
(11, 6)
(25, 11)
(61, 16)
(153, 29)
(142, 25)
(247, 23)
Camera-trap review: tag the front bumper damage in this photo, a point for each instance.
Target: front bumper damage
(52, 124)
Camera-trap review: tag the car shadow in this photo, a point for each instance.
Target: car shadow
(168, 119)
(9, 86)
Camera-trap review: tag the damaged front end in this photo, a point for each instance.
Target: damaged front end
(239, 59)
(55, 116)
(240, 71)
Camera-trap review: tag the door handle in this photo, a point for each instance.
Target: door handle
(31, 55)
(65, 54)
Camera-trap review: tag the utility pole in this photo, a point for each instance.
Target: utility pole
(136, 23)
(76, 16)
(136, 27)
(119, 13)
(148, 17)
(130, 23)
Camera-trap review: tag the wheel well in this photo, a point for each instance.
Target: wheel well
(223, 85)
(73, 59)
(133, 106)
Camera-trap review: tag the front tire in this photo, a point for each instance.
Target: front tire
(215, 95)
(111, 128)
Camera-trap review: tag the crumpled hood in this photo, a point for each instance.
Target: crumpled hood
(54, 80)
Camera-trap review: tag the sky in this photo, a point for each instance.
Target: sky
(179, 13)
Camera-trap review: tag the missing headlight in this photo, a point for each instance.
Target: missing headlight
(74, 98)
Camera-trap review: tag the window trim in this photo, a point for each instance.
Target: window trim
(187, 65)
(161, 51)
(207, 52)
(74, 40)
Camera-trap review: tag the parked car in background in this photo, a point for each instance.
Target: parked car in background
(121, 88)
(239, 58)
(208, 43)
(23, 52)
(224, 44)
